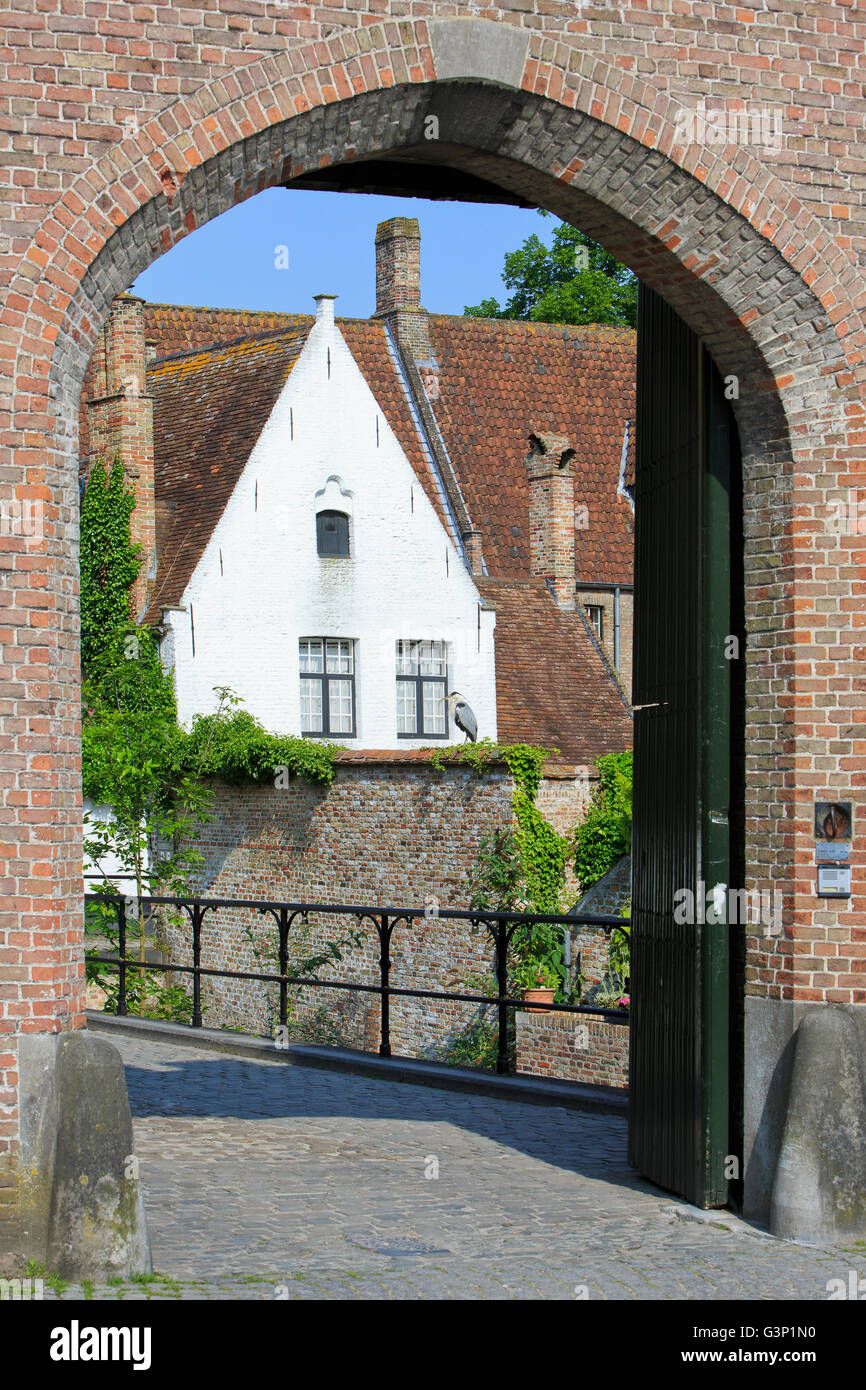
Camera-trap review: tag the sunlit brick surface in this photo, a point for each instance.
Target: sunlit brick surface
(124, 130)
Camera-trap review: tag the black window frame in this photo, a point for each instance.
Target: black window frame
(325, 677)
(327, 513)
(419, 682)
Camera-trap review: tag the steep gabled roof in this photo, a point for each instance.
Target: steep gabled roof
(209, 410)
(173, 328)
(552, 686)
(368, 344)
(210, 407)
(216, 377)
(496, 381)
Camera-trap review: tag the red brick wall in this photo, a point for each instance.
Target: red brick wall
(386, 833)
(551, 515)
(604, 599)
(123, 133)
(573, 1047)
(120, 425)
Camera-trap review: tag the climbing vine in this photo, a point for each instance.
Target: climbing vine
(543, 855)
(237, 749)
(605, 833)
(110, 562)
(521, 868)
(523, 760)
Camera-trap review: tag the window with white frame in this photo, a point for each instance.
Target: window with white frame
(422, 684)
(327, 666)
(595, 612)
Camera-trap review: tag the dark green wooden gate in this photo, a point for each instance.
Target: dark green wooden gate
(685, 698)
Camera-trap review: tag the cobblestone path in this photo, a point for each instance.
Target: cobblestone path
(270, 1181)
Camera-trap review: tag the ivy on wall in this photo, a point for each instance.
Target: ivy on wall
(523, 760)
(605, 834)
(543, 855)
(535, 855)
(110, 562)
(237, 749)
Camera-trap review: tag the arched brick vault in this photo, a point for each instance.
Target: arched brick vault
(743, 263)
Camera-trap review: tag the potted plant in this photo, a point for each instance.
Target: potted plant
(538, 982)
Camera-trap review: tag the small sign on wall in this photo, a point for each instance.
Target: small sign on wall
(834, 881)
(833, 848)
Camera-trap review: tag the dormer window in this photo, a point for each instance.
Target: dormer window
(332, 534)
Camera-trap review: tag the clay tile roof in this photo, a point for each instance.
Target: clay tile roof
(209, 409)
(552, 687)
(174, 328)
(499, 381)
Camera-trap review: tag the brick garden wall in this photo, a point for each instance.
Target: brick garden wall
(574, 1047)
(390, 831)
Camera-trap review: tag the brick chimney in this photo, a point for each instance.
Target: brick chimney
(120, 419)
(398, 302)
(551, 514)
(398, 285)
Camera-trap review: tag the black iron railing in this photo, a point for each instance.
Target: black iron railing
(501, 927)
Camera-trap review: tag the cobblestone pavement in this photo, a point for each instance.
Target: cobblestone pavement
(270, 1181)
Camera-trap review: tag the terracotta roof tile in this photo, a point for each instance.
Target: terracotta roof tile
(498, 380)
(551, 685)
(209, 409)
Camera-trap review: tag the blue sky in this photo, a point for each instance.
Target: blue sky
(232, 262)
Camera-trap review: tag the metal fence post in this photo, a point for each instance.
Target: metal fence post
(284, 965)
(384, 975)
(197, 914)
(121, 941)
(502, 1067)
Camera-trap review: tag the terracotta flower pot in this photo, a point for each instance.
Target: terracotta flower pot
(536, 997)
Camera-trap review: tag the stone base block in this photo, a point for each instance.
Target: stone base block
(819, 1190)
(76, 1203)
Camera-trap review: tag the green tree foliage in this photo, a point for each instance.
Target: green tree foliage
(136, 760)
(110, 562)
(605, 834)
(573, 281)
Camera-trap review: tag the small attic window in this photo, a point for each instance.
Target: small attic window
(332, 533)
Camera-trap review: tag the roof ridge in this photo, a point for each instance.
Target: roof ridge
(215, 309)
(232, 343)
(536, 324)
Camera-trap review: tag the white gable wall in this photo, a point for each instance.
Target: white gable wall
(260, 584)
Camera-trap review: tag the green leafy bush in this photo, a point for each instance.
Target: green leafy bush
(605, 834)
(476, 1046)
(236, 748)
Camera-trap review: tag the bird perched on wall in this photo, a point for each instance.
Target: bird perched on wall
(463, 716)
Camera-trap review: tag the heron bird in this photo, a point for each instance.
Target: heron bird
(463, 716)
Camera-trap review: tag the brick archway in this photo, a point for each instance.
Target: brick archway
(730, 247)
